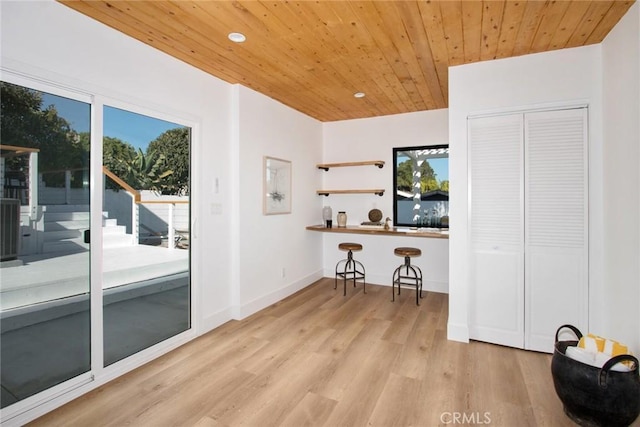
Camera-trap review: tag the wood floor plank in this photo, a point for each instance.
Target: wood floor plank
(547, 412)
(440, 389)
(348, 360)
(503, 383)
(282, 392)
(193, 398)
(279, 322)
(275, 353)
(207, 422)
(387, 311)
(403, 322)
(319, 358)
(360, 396)
(413, 360)
(397, 403)
(312, 410)
(355, 304)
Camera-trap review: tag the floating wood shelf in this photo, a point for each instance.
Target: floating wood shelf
(393, 231)
(326, 166)
(377, 191)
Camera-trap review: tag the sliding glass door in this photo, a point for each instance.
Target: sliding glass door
(45, 320)
(137, 255)
(145, 232)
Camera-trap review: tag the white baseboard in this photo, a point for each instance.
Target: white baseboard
(214, 320)
(240, 312)
(433, 286)
(457, 332)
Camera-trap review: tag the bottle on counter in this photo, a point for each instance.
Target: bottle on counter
(327, 215)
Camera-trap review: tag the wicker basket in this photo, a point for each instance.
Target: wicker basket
(595, 396)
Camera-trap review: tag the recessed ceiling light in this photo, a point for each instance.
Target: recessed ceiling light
(359, 94)
(237, 37)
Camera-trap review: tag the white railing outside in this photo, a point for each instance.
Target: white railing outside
(33, 184)
(161, 215)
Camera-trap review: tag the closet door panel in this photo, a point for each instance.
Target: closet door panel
(496, 303)
(556, 224)
(496, 230)
(555, 294)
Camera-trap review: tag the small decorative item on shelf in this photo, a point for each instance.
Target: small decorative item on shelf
(327, 216)
(375, 215)
(387, 223)
(342, 219)
(375, 219)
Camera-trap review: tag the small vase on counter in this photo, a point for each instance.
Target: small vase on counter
(342, 219)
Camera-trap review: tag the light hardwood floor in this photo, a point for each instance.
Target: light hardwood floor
(320, 359)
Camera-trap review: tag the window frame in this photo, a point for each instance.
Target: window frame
(395, 152)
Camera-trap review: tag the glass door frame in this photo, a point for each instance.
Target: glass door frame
(34, 406)
(105, 374)
(26, 405)
(152, 352)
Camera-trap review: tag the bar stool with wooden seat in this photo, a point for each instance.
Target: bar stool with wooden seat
(407, 274)
(349, 268)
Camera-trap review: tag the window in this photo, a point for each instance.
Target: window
(421, 183)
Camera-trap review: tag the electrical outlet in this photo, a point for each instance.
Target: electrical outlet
(284, 273)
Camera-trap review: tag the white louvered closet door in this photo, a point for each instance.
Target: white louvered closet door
(496, 311)
(556, 225)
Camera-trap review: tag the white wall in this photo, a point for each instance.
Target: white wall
(269, 244)
(621, 157)
(546, 79)
(374, 139)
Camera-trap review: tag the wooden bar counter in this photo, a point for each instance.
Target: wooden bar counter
(393, 231)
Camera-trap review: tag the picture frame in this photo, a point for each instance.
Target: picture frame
(276, 186)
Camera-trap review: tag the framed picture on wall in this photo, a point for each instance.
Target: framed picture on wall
(276, 186)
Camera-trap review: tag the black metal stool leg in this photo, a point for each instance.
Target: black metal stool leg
(421, 282)
(357, 274)
(351, 270)
(396, 279)
(364, 280)
(348, 266)
(412, 276)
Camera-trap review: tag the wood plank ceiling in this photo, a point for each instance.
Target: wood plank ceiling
(314, 55)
